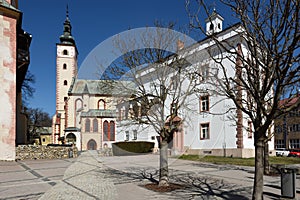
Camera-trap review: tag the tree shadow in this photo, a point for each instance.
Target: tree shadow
(208, 186)
(192, 185)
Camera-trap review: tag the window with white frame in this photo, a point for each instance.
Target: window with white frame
(204, 131)
(134, 134)
(126, 135)
(175, 81)
(204, 72)
(204, 103)
(295, 143)
(295, 128)
(279, 144)
(249, 129)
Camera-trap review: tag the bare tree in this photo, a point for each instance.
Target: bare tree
(37, 118)
(154, 63)
(27, 89)
(266, 62)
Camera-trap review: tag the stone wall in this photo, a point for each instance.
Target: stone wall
(45, 152)
(236, 152)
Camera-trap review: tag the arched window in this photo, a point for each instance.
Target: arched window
(65, 82)
(95, 125)
(78, 109)
(105, 131)
(101, 104)
(87, 125)
(65, 52)
(78, 105)
(211, 27)
(71, 138)
(65, 66)
(112, 131)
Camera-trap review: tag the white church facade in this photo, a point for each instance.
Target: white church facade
(91, 115)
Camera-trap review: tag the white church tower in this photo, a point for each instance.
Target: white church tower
(66, 69)
(214, 23)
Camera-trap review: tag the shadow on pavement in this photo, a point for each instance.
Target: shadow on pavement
(194, 186)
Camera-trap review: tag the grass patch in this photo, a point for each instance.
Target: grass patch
(239, 161)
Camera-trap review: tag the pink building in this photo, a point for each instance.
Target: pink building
(14, 61)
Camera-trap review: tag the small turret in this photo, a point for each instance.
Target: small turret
(214, 23)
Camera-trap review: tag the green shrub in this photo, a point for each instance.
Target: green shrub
(131, 148)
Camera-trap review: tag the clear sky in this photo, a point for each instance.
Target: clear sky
(93, 21)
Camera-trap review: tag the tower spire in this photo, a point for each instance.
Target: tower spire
(66, 37)
(67, 13)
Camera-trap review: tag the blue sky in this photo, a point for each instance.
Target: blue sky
(93, 21)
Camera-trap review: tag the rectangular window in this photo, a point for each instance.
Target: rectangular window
(204, 73)
(204, 103)
(126, 135)
(249, 129)
(294, 143)
(279, 144)
(175, 82)
(278, 129)
(134, 134)
(295, 128)
(204, 131)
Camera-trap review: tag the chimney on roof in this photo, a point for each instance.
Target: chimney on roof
(180, 45)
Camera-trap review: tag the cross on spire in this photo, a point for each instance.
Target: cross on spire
(67, 14)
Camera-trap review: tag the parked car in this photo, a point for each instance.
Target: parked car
(294, 153)
(282, 152)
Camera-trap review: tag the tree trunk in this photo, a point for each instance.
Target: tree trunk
(163, 170)
(266, 159)
(259, 170)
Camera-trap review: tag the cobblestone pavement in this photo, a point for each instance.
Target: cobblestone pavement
(91, 176)
(83, 180)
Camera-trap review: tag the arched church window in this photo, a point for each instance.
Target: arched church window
(65, 82)
(95, 125)
(211, 27)
(105, 131)
(219, 25)
(65, 66)
(101, 104)
(112, 130)
(78, 105)
(65, 52)
(87, 125)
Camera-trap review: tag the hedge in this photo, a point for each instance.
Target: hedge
(131, 148)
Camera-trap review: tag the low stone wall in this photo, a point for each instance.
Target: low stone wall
(239, 153)
(45, 152)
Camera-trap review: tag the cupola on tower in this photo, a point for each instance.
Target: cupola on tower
(214, 23)
(66, 69)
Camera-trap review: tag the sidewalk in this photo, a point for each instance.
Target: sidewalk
(116, 178)
(91, 176)
(30, 179)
